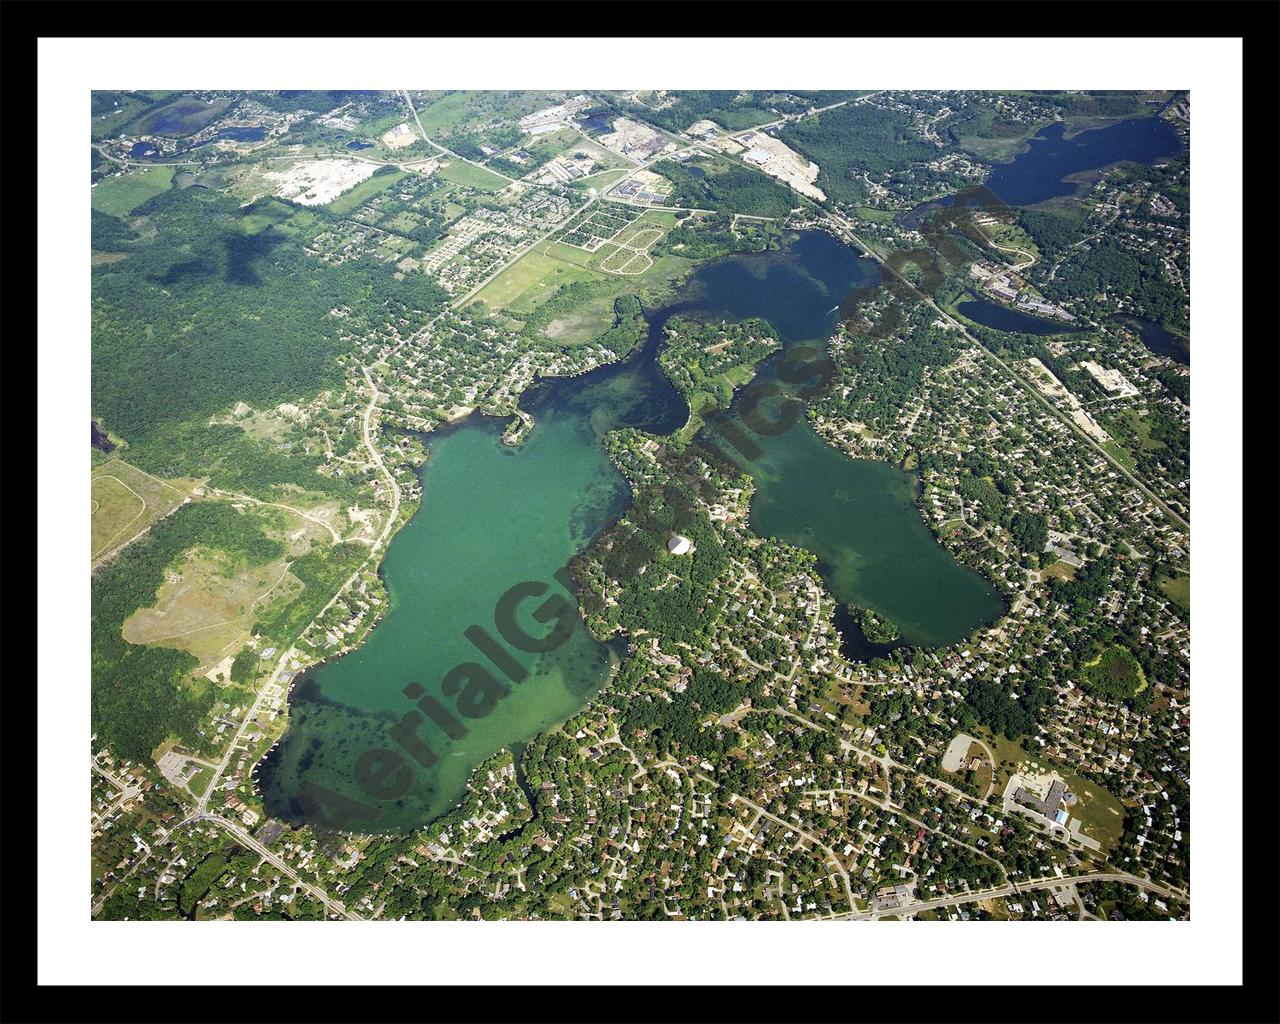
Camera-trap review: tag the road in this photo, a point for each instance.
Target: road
(246, 840)
(1013, 889)
(792, 826)
(443, 149)
(337, 538)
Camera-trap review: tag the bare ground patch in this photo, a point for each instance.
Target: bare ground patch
(207, 605)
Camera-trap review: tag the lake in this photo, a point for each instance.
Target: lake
(492, 516)
(1002, 318)
(597, 123)
(243, 133)
(1038, 174)
(858, 516)
(1157, 338)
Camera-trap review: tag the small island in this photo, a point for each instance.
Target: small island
(875, 627)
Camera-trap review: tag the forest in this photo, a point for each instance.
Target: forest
(1052, 232)
(629, 326)
(1136, 276)
(205, 314)
(850, 140)
(736, 190)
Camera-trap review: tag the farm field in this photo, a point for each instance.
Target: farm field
(124, 192)
(125, 501)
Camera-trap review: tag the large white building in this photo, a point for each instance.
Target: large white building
(679, 545)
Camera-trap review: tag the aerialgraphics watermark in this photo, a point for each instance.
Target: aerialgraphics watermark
(473, 690)
(768, 406)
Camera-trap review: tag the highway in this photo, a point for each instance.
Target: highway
(1012, 889)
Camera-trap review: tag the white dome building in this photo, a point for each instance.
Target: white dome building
(679, 545)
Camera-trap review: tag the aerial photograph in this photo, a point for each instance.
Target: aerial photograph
(638, 505)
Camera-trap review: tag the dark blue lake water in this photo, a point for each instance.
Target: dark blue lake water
(1037, 175)
(253, 133)
(357, 144)
(1002, 318)
(1158, 340)
(596, 123)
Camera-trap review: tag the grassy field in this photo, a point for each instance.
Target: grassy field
(1062, 570)
(601, 180)
(464, 109)
(210, 599)
(531, 280)
(1008, 754)
(122, 193)
(207, 605)
(1178, 588)
(1141, 426)
(124, 501)
(1101, 814)
(874, 215)
(1121, 454)
(534, 278)
(1001, 148)
(469, 174)
(109, 124)
(367, 189)
(184, 116)
(1010, 236)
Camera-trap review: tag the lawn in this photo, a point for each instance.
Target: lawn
(463, 173)
(119, 194)
(200, 781)
(1101, 814)
(1178, 588)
